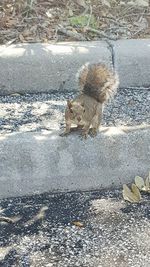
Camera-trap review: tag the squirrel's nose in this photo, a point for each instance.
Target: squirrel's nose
(79, 119)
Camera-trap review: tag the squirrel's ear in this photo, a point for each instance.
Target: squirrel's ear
(69, 104)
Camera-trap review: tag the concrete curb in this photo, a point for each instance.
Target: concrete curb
(38, 162)
(30, 68)
(132, 62)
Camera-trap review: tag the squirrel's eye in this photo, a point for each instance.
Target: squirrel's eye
(84, 110)
(71, 110)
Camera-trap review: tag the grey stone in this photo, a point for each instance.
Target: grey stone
(39, 162)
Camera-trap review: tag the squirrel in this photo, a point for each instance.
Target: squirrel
(98, 83)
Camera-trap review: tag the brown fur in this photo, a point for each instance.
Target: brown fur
(97, 84)
(97, 81)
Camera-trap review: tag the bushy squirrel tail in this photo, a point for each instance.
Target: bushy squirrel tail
(97, 81)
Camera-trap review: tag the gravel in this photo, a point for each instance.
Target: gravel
(46, 111)
(114, 232)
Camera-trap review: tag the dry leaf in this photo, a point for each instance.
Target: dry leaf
(70, 12)
(130, 196)
(33, 29)
(10, 220)
(106, 3)
(15, 94)
(6, 219)
(127, 194)
(141, 184)
(139, 181)
(81, 3)
(79, 224)
(147, 183)
(136, 191)
(26, 33)
(11, 22)
(39, 216)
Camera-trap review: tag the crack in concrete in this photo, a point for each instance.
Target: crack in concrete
(113, 63)
(111, 49)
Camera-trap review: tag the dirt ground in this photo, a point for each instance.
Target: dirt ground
(68, 20)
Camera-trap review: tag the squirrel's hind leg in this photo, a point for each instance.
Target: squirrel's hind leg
(95, 126)
(96, 121)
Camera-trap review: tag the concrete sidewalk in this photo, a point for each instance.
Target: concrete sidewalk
(30, 68)
(38, 162)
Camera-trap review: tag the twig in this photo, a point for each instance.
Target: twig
(140, 15)
(140, 30)
(25, 18)
(10, 32)
(108, 17)
(115, 21)
(127, 9)
(11, 41)
(101, 34)
(56, 35)
(89, 20)
(135, 14)
(116, 28)
(69, 33)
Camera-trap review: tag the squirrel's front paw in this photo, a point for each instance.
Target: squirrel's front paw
(84, 135)
(63, 134)
(93, 132)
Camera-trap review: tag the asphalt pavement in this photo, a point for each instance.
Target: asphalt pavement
(45, 111)
(85, 229)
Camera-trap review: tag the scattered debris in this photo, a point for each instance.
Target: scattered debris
(79, 224)
(38, 21)
(39, 216)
